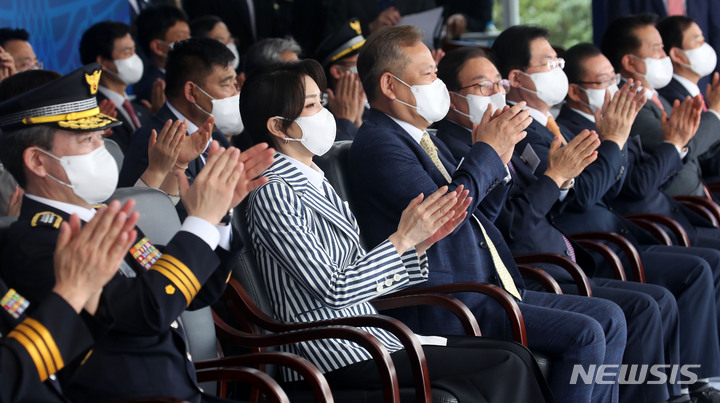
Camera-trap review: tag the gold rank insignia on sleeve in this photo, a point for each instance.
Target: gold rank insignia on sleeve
(46, 219)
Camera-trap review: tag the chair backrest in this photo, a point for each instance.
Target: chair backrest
(158, 218)
(115, 150)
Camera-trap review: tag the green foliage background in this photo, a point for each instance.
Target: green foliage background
(569, 21)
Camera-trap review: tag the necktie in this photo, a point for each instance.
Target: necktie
(676, 7)
(429, 147)
(505, 278)
(555, 129)
(703, 102)
(570, 249)
(129, 109)
(656, 100)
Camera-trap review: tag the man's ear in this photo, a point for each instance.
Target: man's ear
(188, 92)
(678, 56)
(336, 71)
(387, 85)
(453, 96)
(513, 77)
(628, 63)
(156, 47)
(575, 93)
(33, 162)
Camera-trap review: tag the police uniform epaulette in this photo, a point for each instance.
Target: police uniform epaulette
(46, 219)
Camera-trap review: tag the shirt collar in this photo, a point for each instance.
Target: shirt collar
(192, 128)
(691, 87)
(84, 214)
(413, 131)
(584, 114)
(313, 173)
(116, 98)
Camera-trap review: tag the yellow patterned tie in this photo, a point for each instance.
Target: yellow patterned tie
(429, 147)
(505, 277)
(555, 129)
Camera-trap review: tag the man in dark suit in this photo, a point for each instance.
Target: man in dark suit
(57, 325)
(110, 44)
(635, 48)
(647, 173)
(393, 159)
(200, 82)
(373, 14)
(158, 28)
(60, 161)
(526, 224)
(692, 59)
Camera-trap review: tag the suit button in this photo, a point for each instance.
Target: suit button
(624, 231)
(388, 282)
(379, 287)
(397, 277)
(53, 377)
(610, 208)
(189, 357)
(174, 325)
(483, 244)
(567, 252)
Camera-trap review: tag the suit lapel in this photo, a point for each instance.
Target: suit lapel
(332, 208)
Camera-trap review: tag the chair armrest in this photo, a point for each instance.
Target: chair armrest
(581, 279)
(541, 276)
(377, 350)
(674, 226)
(654, 229)
(264, 382)
(707, 203)
(610, 256)
(702, 211)
(307, 369)
(624, 245)
(504, 298)
(454, 305)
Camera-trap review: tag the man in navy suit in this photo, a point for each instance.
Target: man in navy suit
(525, 221)
(110, 44)
(199, 75)
(635, 48)
(158, 28)
(692, 59)
(393, 159)
(590, 74)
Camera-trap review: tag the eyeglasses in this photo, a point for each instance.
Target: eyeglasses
(605, 83)
(32, 65)
(552, 64)
(488, 87)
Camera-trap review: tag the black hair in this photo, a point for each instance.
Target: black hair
(575, 56)
(671, 30)
(451, 64)
(10, 34)
(193, 60)
(154, 23)
(512, 48)
(99, 40)
(620, 39)
(277, 90)
(202, 26)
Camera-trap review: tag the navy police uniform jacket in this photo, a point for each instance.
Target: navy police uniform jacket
(144, 353)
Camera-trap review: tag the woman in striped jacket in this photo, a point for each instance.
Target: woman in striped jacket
(307, 244)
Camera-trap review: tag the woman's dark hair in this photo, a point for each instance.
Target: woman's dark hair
(278, 90)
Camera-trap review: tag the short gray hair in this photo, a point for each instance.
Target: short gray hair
(268, 52)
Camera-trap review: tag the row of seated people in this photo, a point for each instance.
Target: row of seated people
(687, 278)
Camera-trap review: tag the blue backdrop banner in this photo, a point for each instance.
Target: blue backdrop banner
(56, 26)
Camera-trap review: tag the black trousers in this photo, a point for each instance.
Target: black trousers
(474, 369)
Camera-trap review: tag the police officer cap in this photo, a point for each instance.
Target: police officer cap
(343, 43)
(68, 103)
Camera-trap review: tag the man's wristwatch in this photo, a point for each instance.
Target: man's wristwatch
(570, 186)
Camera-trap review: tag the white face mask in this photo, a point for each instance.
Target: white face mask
(432, 100)
(478, 104)
(658, 72)
(596, 97)
(318, 131)
(234, 50)
(129, 70)
(702, 60)
(551, 86)
(226, 112)
(93, 177)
